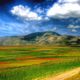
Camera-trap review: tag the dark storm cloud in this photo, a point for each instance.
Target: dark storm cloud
(35, 1)
(41, 3)
(5, 2)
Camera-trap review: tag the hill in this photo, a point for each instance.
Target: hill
(41, 38)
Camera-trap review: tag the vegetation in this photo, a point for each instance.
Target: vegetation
(33, 62)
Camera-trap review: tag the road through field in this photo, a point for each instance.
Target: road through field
(63, 76)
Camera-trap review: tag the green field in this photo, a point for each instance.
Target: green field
(36, 62)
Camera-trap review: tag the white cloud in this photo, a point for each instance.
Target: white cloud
(25, 12)
(73, 28)
(64, 1)
(65, 8)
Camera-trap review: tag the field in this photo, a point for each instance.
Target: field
(36, 62)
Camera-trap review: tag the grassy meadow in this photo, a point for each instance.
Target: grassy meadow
(35, 62)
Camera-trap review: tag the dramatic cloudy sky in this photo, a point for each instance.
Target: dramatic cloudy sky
(22, 17)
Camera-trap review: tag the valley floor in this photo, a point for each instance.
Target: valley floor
(38, 62)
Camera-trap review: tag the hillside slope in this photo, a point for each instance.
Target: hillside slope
(41, 38)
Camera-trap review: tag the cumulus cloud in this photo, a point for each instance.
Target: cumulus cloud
(65, 8)
(64, 1)
(25, 12)
(73, 28)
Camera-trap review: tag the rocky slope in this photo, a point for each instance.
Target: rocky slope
(41, 38)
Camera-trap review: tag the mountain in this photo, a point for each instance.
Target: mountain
(33, 36)
(41, 38)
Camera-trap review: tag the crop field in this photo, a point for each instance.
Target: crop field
(36, 62)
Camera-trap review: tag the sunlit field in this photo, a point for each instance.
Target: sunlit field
(75, 77)
(36, 62)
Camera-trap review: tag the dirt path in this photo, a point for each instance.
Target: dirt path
(64, 76)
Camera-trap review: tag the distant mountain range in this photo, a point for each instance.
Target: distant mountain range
(41, 38)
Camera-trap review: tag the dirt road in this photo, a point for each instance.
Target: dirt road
(63, 76)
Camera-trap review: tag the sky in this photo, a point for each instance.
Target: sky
(22, 17)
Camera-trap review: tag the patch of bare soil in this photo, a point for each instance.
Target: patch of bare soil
(63, 76)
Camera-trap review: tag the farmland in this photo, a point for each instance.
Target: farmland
(36, 62)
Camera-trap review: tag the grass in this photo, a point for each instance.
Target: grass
(29, 63)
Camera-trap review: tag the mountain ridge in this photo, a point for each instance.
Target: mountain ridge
(41, 38)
